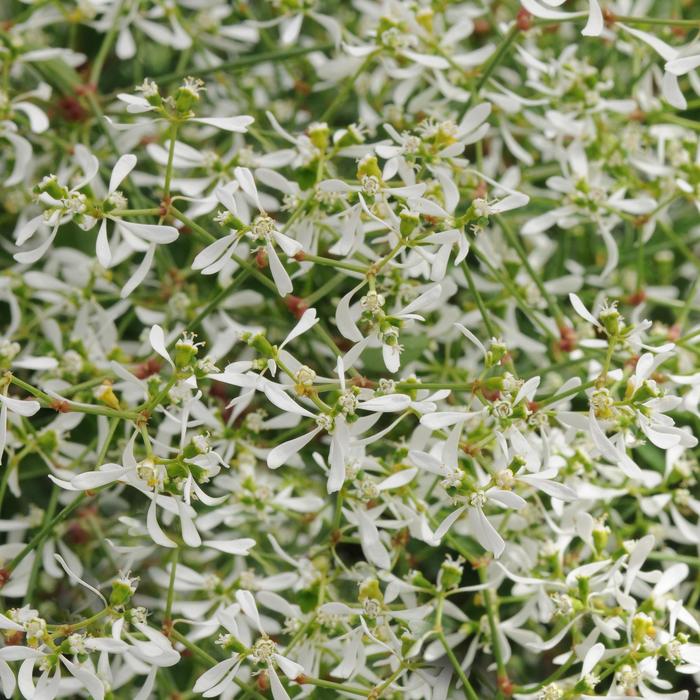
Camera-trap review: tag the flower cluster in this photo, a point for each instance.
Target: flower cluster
(349, 349)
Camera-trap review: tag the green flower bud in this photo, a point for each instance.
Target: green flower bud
(260, 343)
(187, 95)
(451, 572)
(122, 590)
(611, 320)
(319, 135)
(186, 351)
(50, 186)
(410, 220)
(369, 589)
(369, 167)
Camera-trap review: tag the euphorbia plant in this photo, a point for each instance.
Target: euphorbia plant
(349, 349)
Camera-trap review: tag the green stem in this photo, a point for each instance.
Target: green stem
(211, 661)
(490, 328)
(661, 21)
(171, 157)
(515, 242)
(565, 394)
(319, 682)
(467, 687)
(551, 679)
(331, 262)
(491, 65)
(349, 85)
(171, 586)
(106, 45)
(214, 303)
(47, 529)
(243, 62)
(48, 515)
(48, 401)
(491, 606)
(325, 289)
(121, 213)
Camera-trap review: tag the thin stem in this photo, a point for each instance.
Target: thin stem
(331, 262)
(661, 21)
(515, 242)
(214, 303)
(120, 213)
(171, 586)
(467, 687)
(48, 515)
(490, 328)
(243, 62)
(493, 62)
(50, 401)
(491, 606)
(211, 661)
(325, 289)
(551, 679)
(565, 394)
(319, 682)
(171, 157)
(105, 47)
(349, 85)
(47, 529)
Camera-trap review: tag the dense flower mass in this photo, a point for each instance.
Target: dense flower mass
(349, 348)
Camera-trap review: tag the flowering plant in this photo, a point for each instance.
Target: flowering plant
(349, 349)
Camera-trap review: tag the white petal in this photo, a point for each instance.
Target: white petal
(250, 609)
(307, 321)
(154, 233)
(672, 577)
(31, 256)
(343, 318)
(38, 121)
(20, 407)
(398, 480)
(506, 498)
(108, 474)
(189, 531)
(87, 679)
(23, 156)
(485, 533)
(390, 403)
(291, 669)
(104, 254)
(468, 334)
(76, 579)
(282, 453)
(283, 401)
(156, 337)
(238, 547)
(154, 529)
(681, 66)
(140, 273)
(214, 251)
(582, 311)
(215, 674)
(594, 26)
(247, 182)
(237, 124)
(278, 691)
(122, 168)
(448, 522)
(288, 245)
